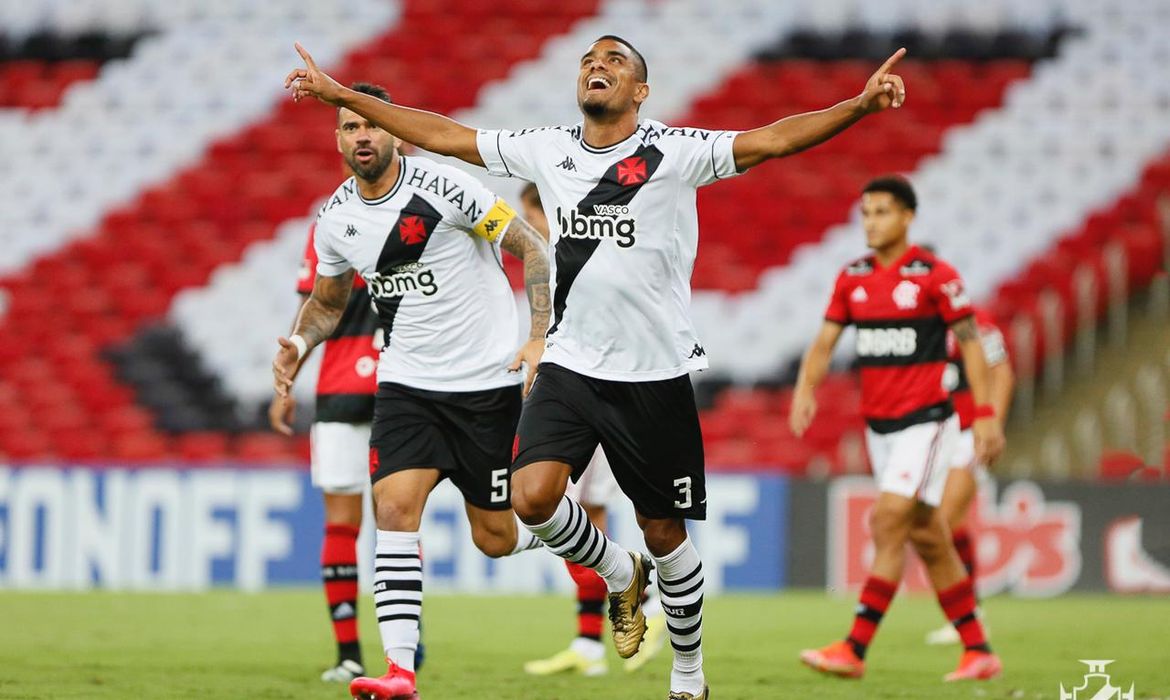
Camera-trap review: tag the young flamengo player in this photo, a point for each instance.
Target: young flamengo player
(426, 239)
(903, 300)
(620, 193)
(962, 478)
(593, 490)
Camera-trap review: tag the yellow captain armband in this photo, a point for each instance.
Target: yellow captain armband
(497, 219)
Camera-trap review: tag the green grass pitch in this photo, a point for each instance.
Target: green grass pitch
(273, 645)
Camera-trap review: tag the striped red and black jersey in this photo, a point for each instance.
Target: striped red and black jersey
(902, 313)
(348, 379)
(955, 379)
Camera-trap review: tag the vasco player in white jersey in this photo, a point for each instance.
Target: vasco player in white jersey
(620, 191)
(426, 238)
(594, 489)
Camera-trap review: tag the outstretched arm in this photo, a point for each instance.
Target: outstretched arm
(316, 322)
(526, 243)
(813, 369)
(799, 132)
(433, 132)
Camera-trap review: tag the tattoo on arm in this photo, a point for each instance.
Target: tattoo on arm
(321, 313)
(525, 242)
(965, 330)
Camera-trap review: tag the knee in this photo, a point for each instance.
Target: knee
(928, 541)
(397, 515)
(886, 525)
(663, 536)
(533, 501)
(493, 543)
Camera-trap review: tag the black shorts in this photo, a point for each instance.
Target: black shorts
(649, 431)
(466, 435)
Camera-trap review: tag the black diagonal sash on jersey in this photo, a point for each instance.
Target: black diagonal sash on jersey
(573, 253)
(404, 245)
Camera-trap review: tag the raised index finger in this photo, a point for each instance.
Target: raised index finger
(890, 62)
(312, 65)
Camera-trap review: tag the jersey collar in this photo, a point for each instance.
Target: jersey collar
(912, 251)
(393, 190)
(610, 148)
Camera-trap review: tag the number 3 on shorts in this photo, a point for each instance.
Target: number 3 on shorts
(684, 490)
(500, 485)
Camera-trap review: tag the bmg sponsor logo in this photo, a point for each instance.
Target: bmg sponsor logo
(607, 222)
(411, 277)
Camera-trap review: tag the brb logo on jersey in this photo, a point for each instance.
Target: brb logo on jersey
(886, 342)
(608, 221)
(411, 277)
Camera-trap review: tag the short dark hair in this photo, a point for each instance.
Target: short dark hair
(369, 89)
(643, 72)
(897, 186)
(531, 193)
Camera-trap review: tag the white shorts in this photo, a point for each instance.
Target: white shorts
(596, 487)
(964, 455)
(340, 457)
(914, 462)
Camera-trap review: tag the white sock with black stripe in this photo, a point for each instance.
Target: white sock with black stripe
(680, 581)
(398, 594)
(525, 540)
(569, 535)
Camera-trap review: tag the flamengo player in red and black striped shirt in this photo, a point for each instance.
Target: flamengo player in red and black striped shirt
(340, 448)
(903, 299)
(961, 477)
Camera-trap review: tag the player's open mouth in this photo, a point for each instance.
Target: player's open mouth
(597, 83)
(365, 155)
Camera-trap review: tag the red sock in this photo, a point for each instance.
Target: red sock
(966, 549)
(340, 575)
(876, 595)
(958, 604)
(591, 594)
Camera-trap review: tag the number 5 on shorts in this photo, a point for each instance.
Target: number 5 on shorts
(684, 490)
(500, 485)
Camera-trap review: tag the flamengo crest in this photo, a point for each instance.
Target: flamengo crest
(906, 295)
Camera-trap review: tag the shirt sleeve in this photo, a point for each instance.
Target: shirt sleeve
(509, 153)
(838, 311)
(482, 212)
(950, 295)
(330, 263)
(704, 156)
(305, 276)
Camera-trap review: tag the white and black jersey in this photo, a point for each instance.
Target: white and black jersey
(429, 253)
(624, 230)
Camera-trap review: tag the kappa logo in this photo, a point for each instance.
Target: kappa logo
(631, 171)
(491, 226)
(567, 164)
(906, 295)
(412, 230)
(859, 295)
(697, 351)
(350, 231)
(1097, 685)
